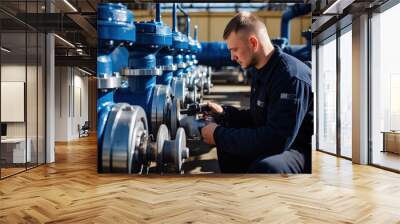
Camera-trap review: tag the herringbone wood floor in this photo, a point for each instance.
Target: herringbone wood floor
(70, 191)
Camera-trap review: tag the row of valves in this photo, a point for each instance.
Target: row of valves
(148, 82)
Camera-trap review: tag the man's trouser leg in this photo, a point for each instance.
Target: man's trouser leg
(232, 164)
(290, 161)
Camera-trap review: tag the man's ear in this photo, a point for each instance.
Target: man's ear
(253, 42)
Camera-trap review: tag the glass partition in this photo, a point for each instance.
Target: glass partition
(346, 93)
(327, 96)
(385, 89)
(22, 78)
(15, 150)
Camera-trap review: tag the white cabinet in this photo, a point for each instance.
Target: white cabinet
(17, 146)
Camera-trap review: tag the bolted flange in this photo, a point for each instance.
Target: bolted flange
(125, 136)
(179, 90)
(175, 151)
(160, 105)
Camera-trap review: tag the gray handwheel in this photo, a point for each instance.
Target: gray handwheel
(159, 109)
(175, 151)
(124, 138)
(179, 90)
(162, 137)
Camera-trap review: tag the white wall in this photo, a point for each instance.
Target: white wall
(14, 73)
(33, 126)
(71, 102)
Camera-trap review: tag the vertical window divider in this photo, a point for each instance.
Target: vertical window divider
(338, 98)
(317, 97)
(369, 87)
(26, 86)
(37, 90)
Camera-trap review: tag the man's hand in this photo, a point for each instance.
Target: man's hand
(207, 132)
(215, 108)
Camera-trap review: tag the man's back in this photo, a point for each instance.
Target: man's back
(280, 116)
(272, 83)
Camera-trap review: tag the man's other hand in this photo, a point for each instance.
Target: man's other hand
(215, 108)
(207, 132)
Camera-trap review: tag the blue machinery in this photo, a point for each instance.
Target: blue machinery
(136, 109)
(148, 78)
(216, 54)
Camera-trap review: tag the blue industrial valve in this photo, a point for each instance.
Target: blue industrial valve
(180, 44)
(190, 73)
(130, 117)
(115, 27)
(142, 72)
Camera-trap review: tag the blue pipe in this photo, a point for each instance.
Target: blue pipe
(177, 60)
(165, 59)
(195, 35)
(301, 52)
(187, 58)
(140, 88)
(158, 12)
(215, 54)
(174, 26)
(179, 44)
(291, 12)
(187, 20)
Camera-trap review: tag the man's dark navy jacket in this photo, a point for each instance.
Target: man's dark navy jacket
(280, 115)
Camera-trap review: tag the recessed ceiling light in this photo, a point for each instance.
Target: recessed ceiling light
(5, 50)
(70, 5)
(64, 40)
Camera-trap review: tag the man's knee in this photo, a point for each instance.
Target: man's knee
(286, 162)
(268, 165)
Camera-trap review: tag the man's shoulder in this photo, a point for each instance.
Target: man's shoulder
(292, 68)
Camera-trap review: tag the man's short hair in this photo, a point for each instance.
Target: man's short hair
(243, 21)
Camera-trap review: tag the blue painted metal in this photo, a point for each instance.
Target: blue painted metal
(192, 47)
(291, 12)
(153, 33)
(140, 88)
(180, 44)
(301, 52)
(215, 54)
(104, 65)
(164, 58)
(115, 28)
(195, 48)
(104, 105)
(115, 22)
(150, 38)
(158, 12)
(187, 58)
(177, 60)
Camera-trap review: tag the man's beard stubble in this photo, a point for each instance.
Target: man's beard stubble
(252, 63)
